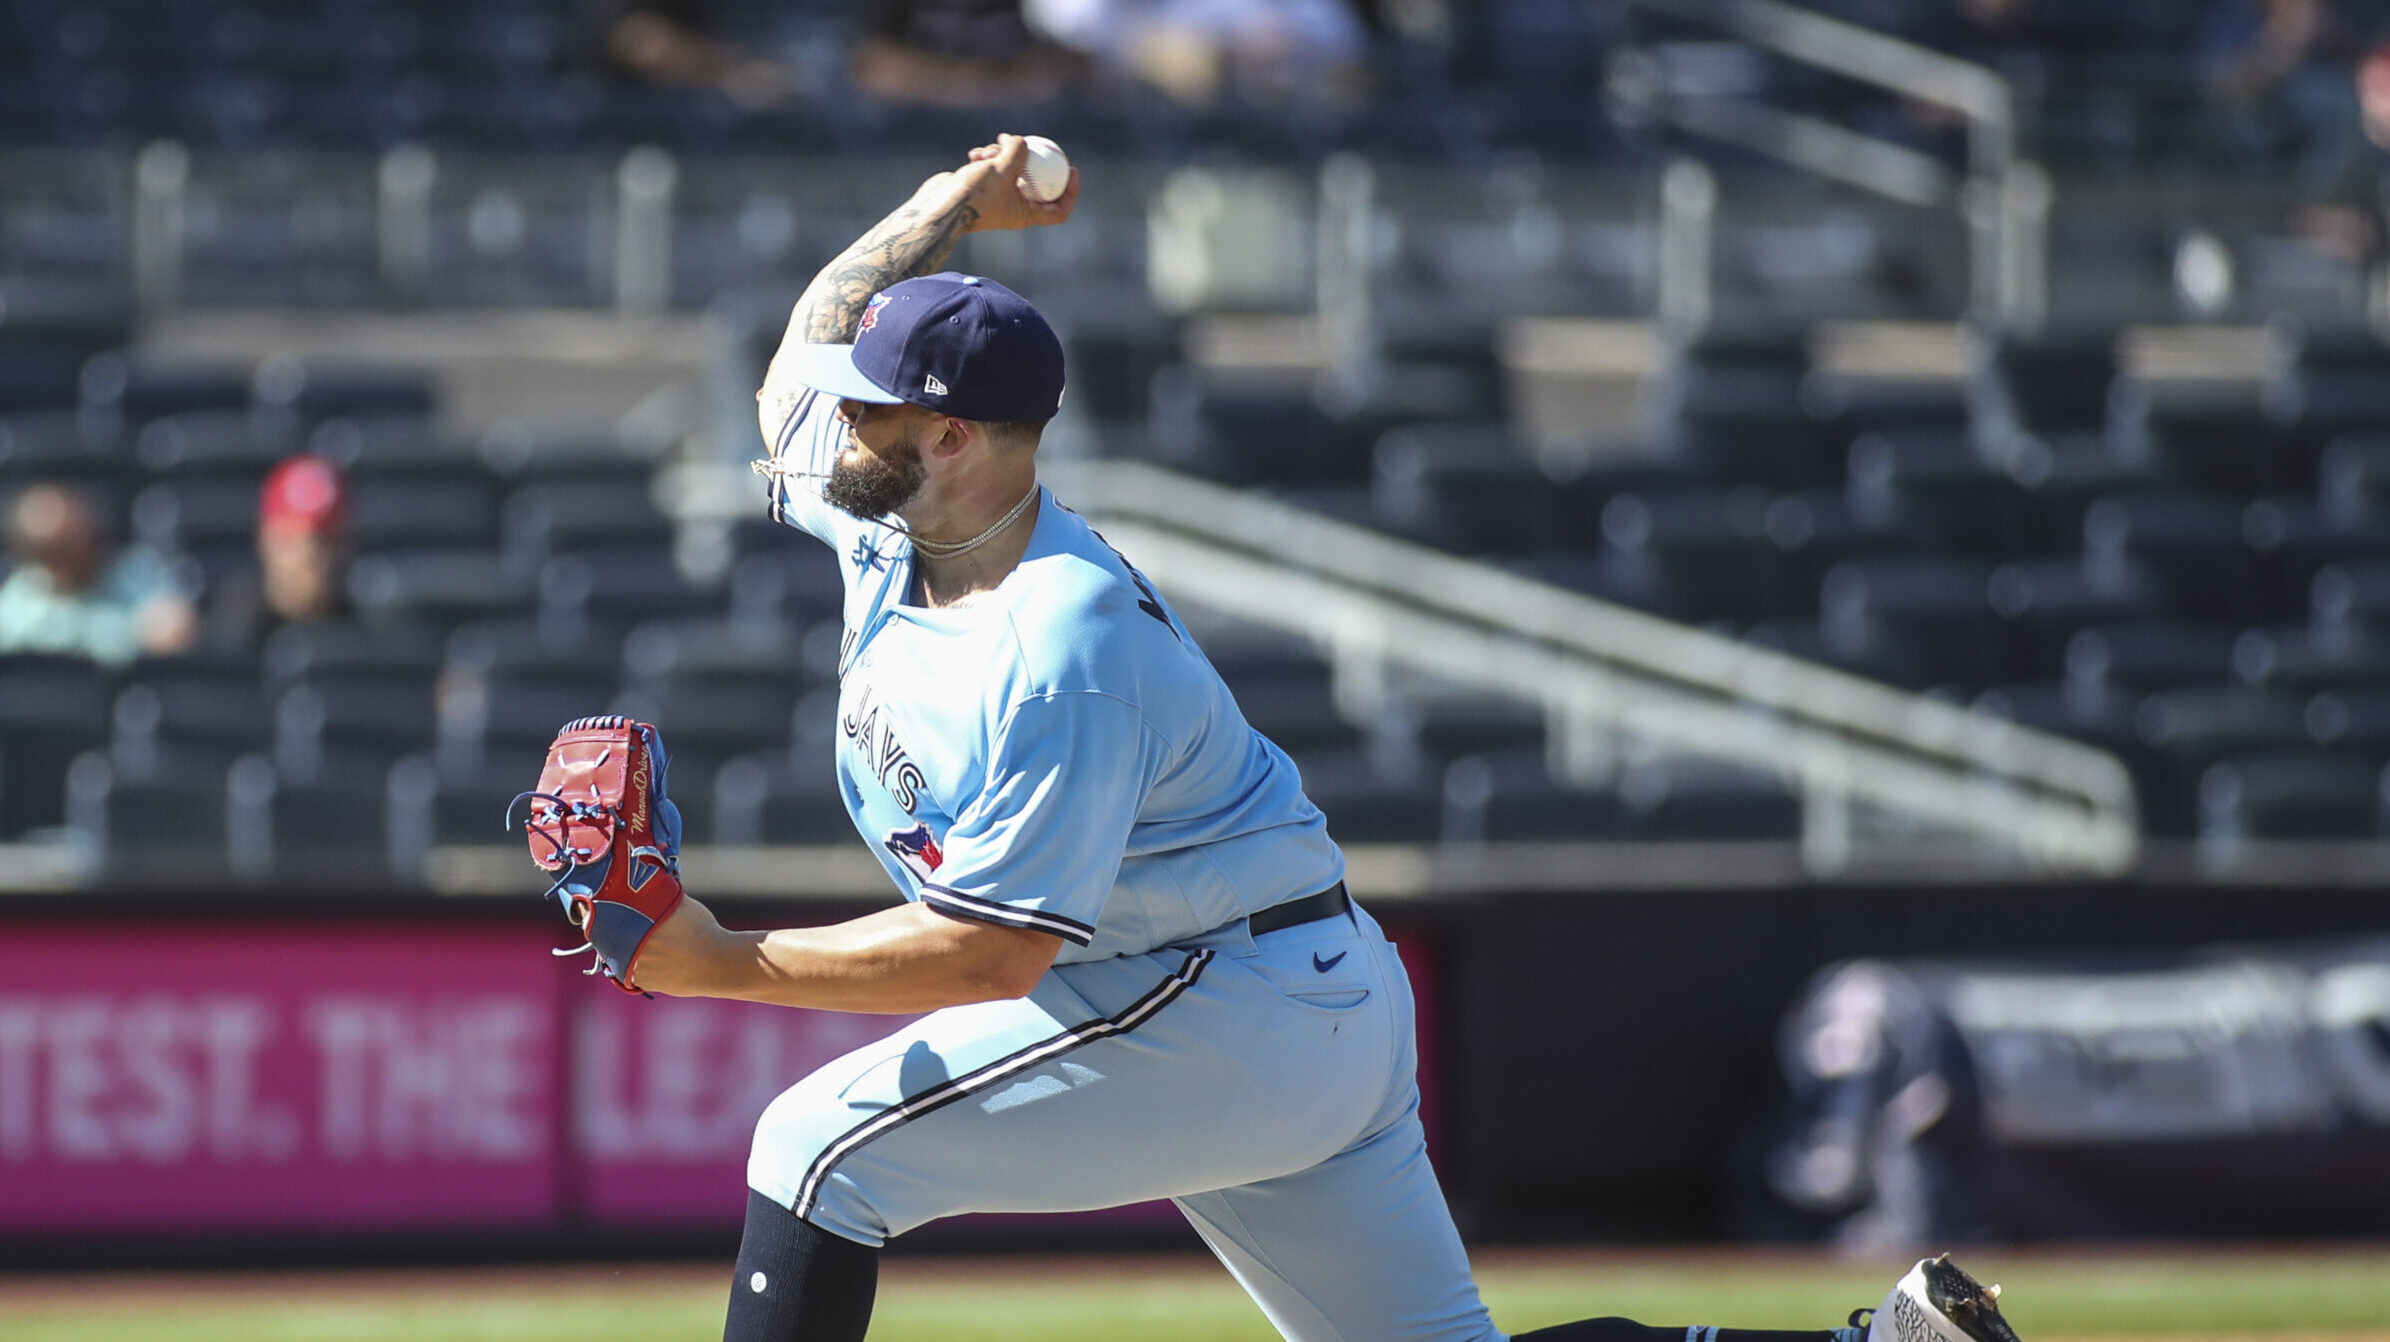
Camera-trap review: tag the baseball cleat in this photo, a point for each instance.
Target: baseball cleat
(1936, 1302)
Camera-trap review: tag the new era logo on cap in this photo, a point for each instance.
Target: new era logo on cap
(973, 348)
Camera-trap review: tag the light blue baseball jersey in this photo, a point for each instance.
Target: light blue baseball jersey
(1057, 754)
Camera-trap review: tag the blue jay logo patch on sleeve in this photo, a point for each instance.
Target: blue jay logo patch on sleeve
(916, 849)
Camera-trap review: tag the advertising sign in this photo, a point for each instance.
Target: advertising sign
(366, 1076)
(666, 1093)
(347, 1076)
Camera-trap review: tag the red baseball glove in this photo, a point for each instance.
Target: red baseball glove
(601, 822)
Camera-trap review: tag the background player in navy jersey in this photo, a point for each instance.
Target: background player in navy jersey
(1144, 975)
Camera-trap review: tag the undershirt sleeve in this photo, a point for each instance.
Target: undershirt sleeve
(802, 432)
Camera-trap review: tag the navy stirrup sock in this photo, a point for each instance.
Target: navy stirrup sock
(797, 1282)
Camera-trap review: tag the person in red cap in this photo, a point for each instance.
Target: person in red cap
(302, 559)
(302, 540)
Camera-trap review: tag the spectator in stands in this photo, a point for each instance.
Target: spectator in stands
(302, 544)
(302, 558)
(1204, 52)
(302, 541)
(73, 593)
(2349, 226)
(2275, 75)
(957, 53)
(2373, 99)
(672, 44)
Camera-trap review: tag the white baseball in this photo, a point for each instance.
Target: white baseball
(1049, 172)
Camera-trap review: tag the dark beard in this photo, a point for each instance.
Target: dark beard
(874, 486)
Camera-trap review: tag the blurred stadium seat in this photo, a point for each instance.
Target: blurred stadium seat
(1367, 801)
(173, 719)
(52, 709)
(2303, 795)
(1511, 795)
(167, 829)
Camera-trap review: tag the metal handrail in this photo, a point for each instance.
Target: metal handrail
(1602, 670)
(2006, 200)
(1869, 57)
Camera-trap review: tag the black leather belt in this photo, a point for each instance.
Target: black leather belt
(1296, 912)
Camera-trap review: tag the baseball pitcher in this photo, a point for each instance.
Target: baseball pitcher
(1144, 975)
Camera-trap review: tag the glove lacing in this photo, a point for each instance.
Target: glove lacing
(570, 860)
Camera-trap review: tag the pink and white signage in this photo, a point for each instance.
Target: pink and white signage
(666, 1094)
(348, 1076)
(360, 1076)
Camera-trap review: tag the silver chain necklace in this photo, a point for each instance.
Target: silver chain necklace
(949, 549)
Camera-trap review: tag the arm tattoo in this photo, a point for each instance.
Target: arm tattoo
(907, 243)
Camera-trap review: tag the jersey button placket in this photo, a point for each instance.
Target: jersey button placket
(860, 654)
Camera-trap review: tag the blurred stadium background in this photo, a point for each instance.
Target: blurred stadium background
(1830, 564)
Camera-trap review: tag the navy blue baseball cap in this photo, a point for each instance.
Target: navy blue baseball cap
(957, 344)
